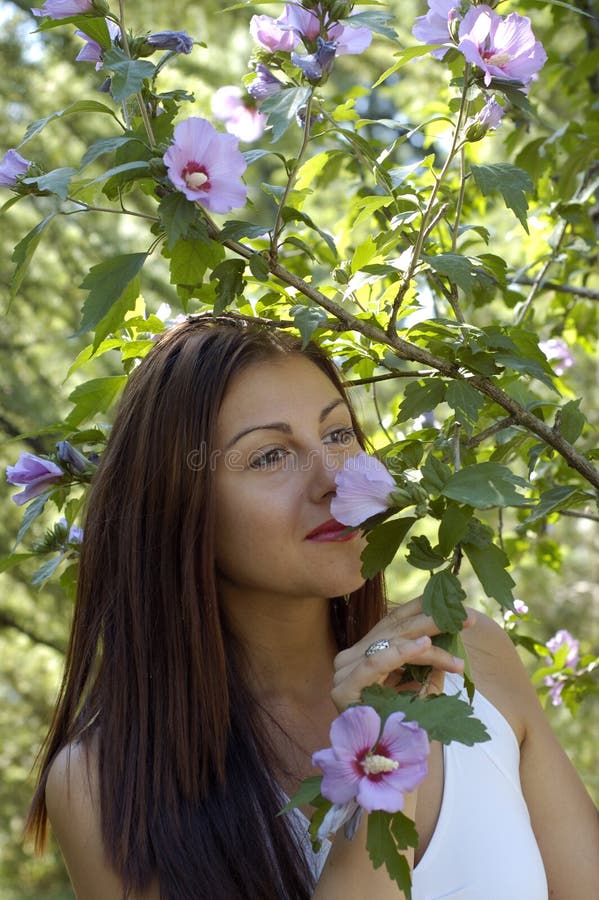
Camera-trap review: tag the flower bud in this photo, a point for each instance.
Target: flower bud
(74, 461)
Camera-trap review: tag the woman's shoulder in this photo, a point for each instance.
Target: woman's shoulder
(499, 673)
(72, 785)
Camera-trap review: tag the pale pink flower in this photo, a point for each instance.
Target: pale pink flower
(375, 769)
(242, 120)
(35, 473)
(92, 51)
(12, 166)
(364, 488)
(63, 9)
(561, 638)
(268, 32)
(557, 351)
(501, 47)
(433, 28)
(207, 166)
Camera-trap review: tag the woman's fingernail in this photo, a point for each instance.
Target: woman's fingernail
(422, 641)
(458, 661)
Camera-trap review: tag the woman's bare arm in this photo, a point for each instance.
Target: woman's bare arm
(72, 799)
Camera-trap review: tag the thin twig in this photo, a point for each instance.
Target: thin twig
(575, 514)
(586, 293)
(477, 439)
(7, 621)
(88, 207)
(417, 373)
(538, 281)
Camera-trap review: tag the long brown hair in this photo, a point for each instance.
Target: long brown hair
(151, 668)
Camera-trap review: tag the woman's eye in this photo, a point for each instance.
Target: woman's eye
(268, 458)
(343, 436)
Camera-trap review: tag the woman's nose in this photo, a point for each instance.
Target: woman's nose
(324, 465)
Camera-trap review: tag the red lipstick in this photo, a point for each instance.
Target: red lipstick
(331, 530)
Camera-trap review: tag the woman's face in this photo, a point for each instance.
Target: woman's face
(283, 433)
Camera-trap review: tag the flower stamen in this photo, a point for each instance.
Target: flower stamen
(376, 764)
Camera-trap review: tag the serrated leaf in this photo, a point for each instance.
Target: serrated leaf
(553, 500)
(229, 283)
(308, 791)
(24, 250)
(453, 527)
(282, 109)
(511, 182)
(373, 19)
(93, 397)
(443, 599)
(234, 230)
(259, 266)
(128, 75)
(382, 849)
(571, 420)
(421, 555)
(115, 317)
(489, 564)
(435, 475)
(191, 257)
(466, 401)
(55, 182)
(403, 58)
(46, 571)
(180, 218)
(419, 397)
(459, 269)
(288, 214)
(106, 283)
(307, 320)
(34, 509)
(105, 145)
(311, 169)
(485, 485)
(383, 543)
(81, 106)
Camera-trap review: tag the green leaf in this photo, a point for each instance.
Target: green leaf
(34, 509)
(105, 145)
(180, 218)
(81, 106)
(466, 401)
(115, 317)
(443, 599)
(453, 527)
(374, 19)
(571, 420)
(444, 718)
(288, 214)
(93, 397)
(419, 397)
(13, 559)
(46, 570)
(24, 250)
(382, 849)
(553, 500)
(56, 182)
(121, 174)
(230, 283)
(421, 555)
(459, 269)
(485, 485)
(308, 791)
(282, 109)
(403, 830)
(435, 475)
(259, 266)
(403, 58)
(128, 75)
(106, 283)
(383, 543)
(191, 257)
(489, 564)
(510, 181)
(307, 320)
(233, 230)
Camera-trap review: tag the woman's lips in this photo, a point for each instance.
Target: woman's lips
(331, 530)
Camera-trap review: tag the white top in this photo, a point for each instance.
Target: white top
(483, 846)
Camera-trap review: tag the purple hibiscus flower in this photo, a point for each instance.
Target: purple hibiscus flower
(11, 167)
(364, 488)
(35, 473)
(92, 51)
(501, 47)
(306, 25)
(241, 119)
(267, 32)
(265, 84)
(375, 769)
(561, 638)
(486, 120)
(63, 9)
(75, 535)
(316, 65)
(179, 41)
(207, 166)
(557, 351)
(433, 28)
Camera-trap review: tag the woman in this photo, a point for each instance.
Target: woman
(221, 624)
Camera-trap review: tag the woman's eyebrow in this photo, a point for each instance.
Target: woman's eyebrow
(284, 426)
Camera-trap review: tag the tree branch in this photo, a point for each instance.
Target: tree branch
(586, 293)
(7, 621)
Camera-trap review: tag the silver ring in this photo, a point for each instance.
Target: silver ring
(382, 644)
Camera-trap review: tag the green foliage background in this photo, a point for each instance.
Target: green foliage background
(556, 564)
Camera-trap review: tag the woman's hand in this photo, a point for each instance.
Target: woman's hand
(409, 632)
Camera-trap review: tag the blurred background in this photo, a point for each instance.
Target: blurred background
(557, 567)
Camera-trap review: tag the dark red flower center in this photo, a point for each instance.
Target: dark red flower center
(196, 176)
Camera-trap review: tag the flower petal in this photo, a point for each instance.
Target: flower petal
(355, 731)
